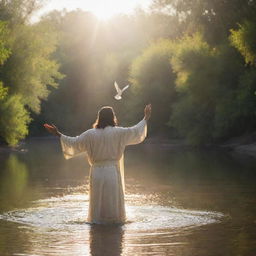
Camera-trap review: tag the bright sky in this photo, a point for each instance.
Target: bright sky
(102, 9)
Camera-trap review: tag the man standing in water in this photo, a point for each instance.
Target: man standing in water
(104, 146)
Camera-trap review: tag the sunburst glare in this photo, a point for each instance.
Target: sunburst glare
(100, 8)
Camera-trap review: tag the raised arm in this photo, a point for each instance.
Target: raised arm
(137, 133)
(71, 146)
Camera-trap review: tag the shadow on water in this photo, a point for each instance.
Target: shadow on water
(106, 240)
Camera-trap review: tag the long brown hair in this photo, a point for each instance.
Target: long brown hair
(106, 117)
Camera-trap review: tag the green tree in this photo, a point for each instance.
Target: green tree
(152, 81)
(4, 53)
(244, 40)
(14, 119)
(3, 91)
(19, 11)
(213, 18)
(30, 69)
(194, 65)
(27, 67)
(207, 82)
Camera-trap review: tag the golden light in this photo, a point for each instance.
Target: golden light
(106, 9)
(103, 9)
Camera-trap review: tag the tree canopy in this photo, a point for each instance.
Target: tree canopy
(193, 60)
(27, 67)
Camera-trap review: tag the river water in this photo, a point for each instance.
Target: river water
(178, 202)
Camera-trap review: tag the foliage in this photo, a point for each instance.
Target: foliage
(194, 64)
(153, 82)
(3, 91)
(207, 82)
(244, 40)
(28, 68)
(213, 18)
(4, 51)
(14, 119)
(19, 11)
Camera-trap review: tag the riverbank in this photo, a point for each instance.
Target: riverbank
(4, 149)
(245, 144)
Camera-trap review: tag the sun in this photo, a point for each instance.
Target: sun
(102, 9)
(105, 9)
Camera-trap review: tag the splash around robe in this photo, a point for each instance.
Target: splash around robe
(104, 149)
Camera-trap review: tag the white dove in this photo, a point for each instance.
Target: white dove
(120, 91)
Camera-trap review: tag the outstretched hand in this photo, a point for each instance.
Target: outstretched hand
(147, 111)
(52, 129)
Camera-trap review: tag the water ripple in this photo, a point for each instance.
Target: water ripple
(69, 213)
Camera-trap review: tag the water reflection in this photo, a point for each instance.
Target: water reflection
(106, 240)
(14, 191)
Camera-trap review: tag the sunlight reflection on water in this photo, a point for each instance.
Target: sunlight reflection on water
(69, 213)
(57, 226)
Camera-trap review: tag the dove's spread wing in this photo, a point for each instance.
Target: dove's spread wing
(126, 87)
(118, 90)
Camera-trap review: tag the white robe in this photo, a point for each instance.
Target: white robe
(104, 149)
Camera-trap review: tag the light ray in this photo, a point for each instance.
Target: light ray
(101, 8)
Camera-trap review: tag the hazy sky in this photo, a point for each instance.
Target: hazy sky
(102, 9)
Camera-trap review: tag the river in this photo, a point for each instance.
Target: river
(178, 202)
